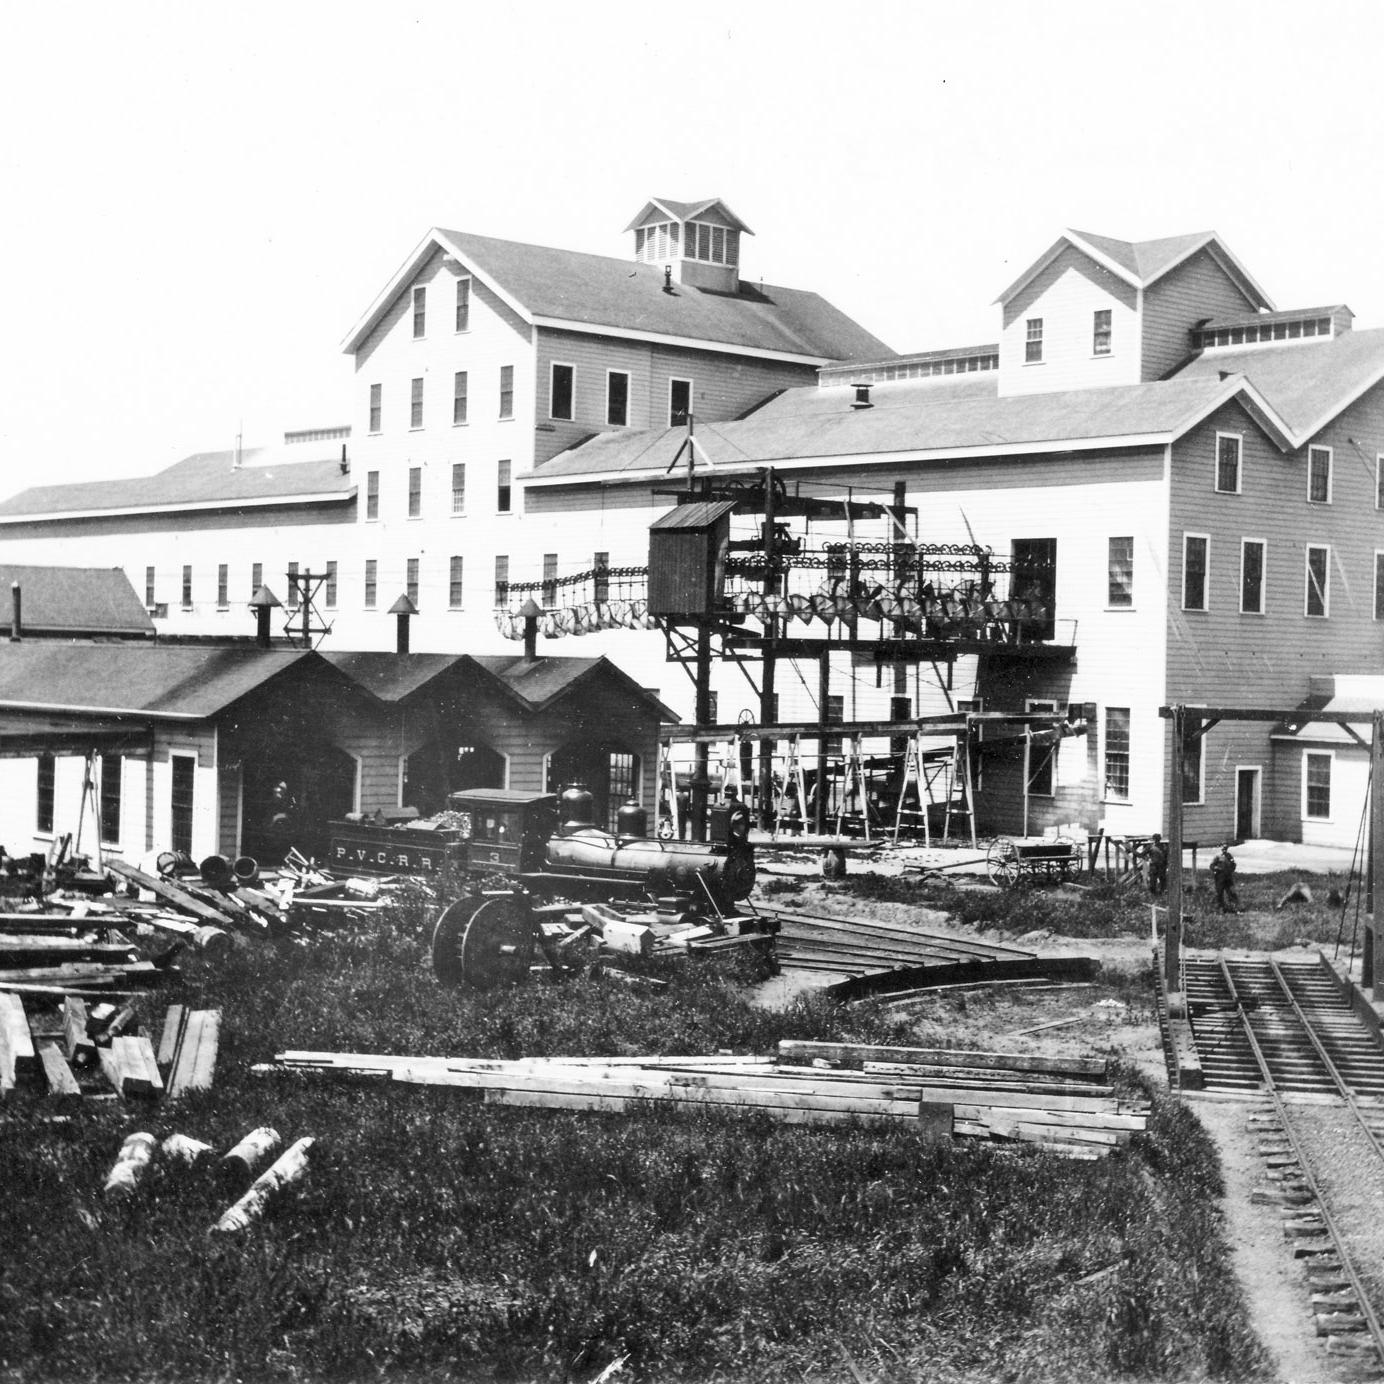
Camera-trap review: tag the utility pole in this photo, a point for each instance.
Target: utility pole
(1369, 962)
(1172, 937)
(767, 715)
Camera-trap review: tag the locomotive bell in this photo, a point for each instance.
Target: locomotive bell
(576, 808)
(631, 820)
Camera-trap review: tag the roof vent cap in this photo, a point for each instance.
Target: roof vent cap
(862, 396)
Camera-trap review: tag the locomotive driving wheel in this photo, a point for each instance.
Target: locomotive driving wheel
(1002, 864)
(483, 943)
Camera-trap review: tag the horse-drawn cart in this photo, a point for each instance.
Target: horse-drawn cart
(1011, 863)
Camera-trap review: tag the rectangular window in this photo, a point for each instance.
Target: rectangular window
(420, 311)
(679, 402)
(1033, 340)
(1319, 475)
(329, 587)
(1117, 753)
(454, 588)
(1252, 552)
(503, 493)
(549, 580)
(291, 581)
(1192, 759)
(501, 582)
(149, 586)
(1318, 591)
(600, 580)
(1228, 447)
(415, 491)
(463, 305)
(1121, 572)
(458, 487)
(564, 385)
(1379, 481)
(372, 494)
(506, 391)
(376, 404)
(459, 388)
(1194, 554)
(372, 568)
(223, 586)
(256, 576)
(111, 769)
(187, 588)
(1100, 332)
(1379, 585)
(1316, 786)
(411, 581)
(836, 714)
(47, 787)
(617, 398)
(181, 803)
(415, 403)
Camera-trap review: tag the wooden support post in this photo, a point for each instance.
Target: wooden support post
(767, 715)
(819, 813)
(701, 752)
(1172, 938)
(1028, 766)
(1374, 937)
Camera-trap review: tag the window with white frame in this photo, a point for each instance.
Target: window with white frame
(1319, 475)
(1229, 447)
(1378, 584)
(1117, 753)
(181, 804)
(1195, 554)
(149, 574)
(256, 576)
(223, 586)
(679, 402)
(1318, 567)
(371, 584)
(710, 244)
(372, 494)
(420, 311)
(111, 770)
(600, 576)
(617, 398)
(1120, 569)
(187, 588)
(501, 581)
(1033, 340)
(46, 785)
(1100, 332)
(411, 580)
(506, 391)
(460, 385)
(458, 487)
(1379, 480)
(1316, 785)
(561, 397)
(1252, 555)
(415, 403)
(504, 494)
(463, 311)
(549, 580)
(329, 587)
(376, 406)
(415, 492)
(454, 585)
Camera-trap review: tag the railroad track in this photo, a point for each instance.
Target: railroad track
(1285, 1032)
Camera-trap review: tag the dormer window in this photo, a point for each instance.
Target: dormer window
(1100, 332)
(1033, 341)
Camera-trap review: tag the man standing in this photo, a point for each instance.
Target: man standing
(1223, 873)
(1157, 855)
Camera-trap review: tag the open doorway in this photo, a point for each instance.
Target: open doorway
(1248, 786)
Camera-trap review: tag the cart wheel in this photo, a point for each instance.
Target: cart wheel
(1002, 864)
(483, 943)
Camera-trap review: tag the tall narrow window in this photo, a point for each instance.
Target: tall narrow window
(617, 398)
(506, 391)
(187, 588)
(835, 715)
(1379, 480)
(564, 381)
(1100, 332)
(291, 581)
(420, 311)
(1121, 572)
(1316, 786)
(459, 388)
(149, 586)
(458, 487)
(503, 495)
(256, 576)
(181, 802)
(1192, 759)
(47, 787)
(600, 580)
(372, 494)
(329, 587)
(463, 305)
(372, 568)
(376, 406)
(1252, 576)
(454, 586)
(1318, 589)
(1117, 753)
(110, 770)
(1228, 447)
(679, 402)
(223, 586)
(501, 582)
(549, 580)
(1319, 475)
(415, 403)
(1379, 586)
(1033, 340)
(415, 491)
(1194, 555)
(411, 581)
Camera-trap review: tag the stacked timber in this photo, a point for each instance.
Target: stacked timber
(1062, 1104)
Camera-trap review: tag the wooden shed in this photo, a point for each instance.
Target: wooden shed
(687, 552)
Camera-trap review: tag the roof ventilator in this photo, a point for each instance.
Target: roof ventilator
(862, 396)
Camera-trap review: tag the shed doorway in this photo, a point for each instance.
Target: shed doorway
(1247, 800)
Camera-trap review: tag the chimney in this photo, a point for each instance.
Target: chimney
(262, 602)
(403, 610)
(862, 396)
(531, 611)
(16, 615)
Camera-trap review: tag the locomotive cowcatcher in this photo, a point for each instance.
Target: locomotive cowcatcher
(530, 858)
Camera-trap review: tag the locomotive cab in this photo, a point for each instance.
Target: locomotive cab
(504, 830)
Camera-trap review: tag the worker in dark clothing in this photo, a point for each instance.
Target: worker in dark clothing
(283, 819)
(1157, 855)
(1223, 874)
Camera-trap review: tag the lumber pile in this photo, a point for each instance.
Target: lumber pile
(1064, 1105)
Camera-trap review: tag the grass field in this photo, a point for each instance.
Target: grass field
(441, 1239)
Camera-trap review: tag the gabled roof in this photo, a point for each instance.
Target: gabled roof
(207, 480)
(915, 422)
(1308, 383)
(149, 681)
(548, 287)
(390, 677)
(1143, 262)
(1344, 694)
(686, 211)
(74, 600)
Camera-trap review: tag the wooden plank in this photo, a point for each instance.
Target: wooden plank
(139, 1068)
(61, 1082)
(1099, 1105)
(82, 973)
(76, 1043)
(171, 893)
(805, 1051)
(961, 972)
(978, 1076)
(1066, 1118)
(42, 950)
(174, 1021)
(21, 1061)
(195, 1062)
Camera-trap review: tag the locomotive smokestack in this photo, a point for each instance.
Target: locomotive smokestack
(405, 610)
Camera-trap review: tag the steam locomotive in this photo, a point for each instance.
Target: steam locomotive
(531, 858)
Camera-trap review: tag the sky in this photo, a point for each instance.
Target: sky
(200, 202)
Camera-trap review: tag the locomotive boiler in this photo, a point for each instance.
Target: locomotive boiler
(530, 858)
